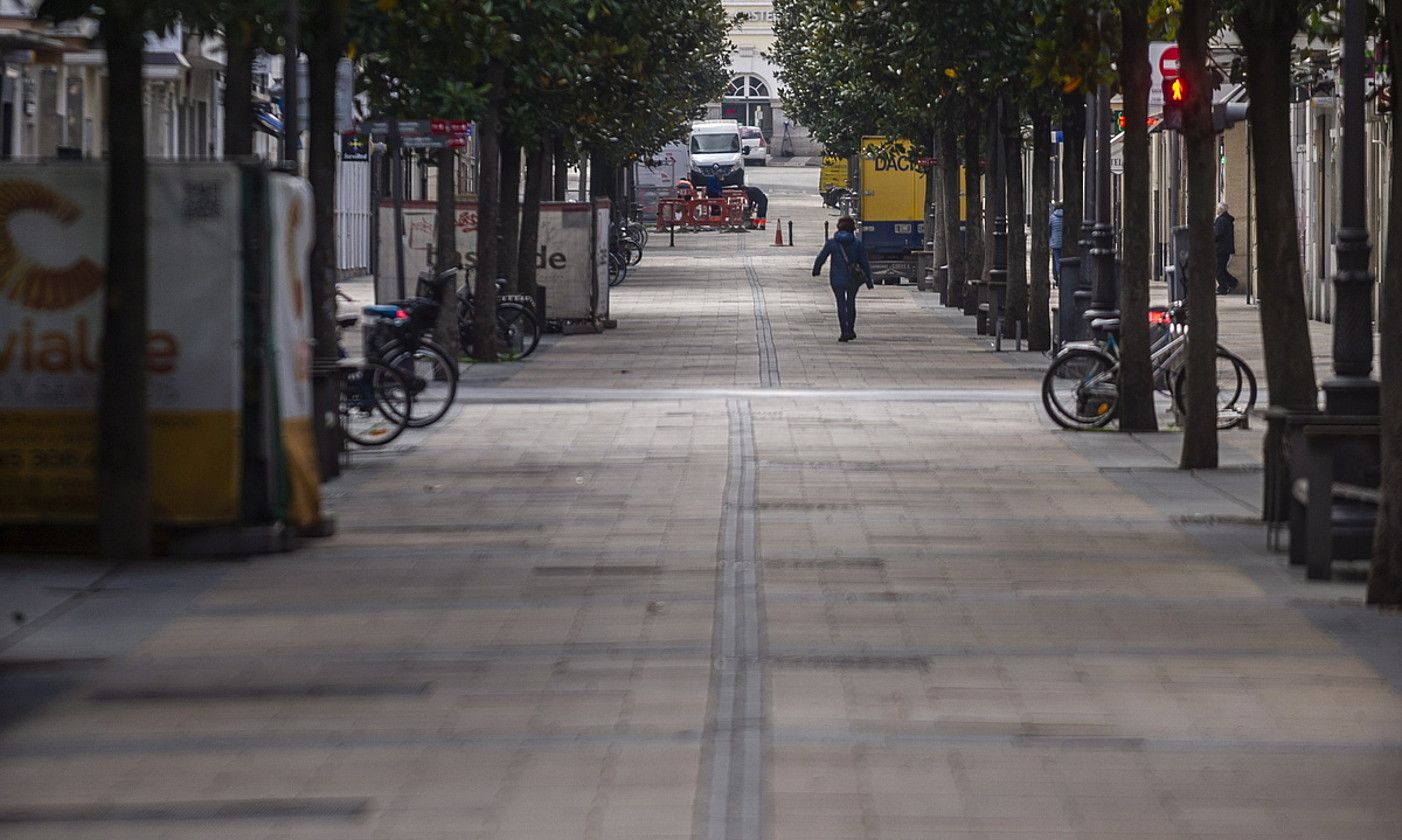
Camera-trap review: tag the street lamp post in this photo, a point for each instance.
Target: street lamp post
(1352, 390)
(998, 274)
(1104, 293)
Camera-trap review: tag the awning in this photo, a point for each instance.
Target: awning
(24, 39)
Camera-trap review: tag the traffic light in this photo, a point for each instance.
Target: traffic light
(1175, 96)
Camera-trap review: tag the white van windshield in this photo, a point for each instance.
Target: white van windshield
(713, 144)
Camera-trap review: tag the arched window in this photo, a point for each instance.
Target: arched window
(747, 87)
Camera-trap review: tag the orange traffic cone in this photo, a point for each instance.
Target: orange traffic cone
(778, 233)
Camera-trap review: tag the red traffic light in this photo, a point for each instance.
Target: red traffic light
(1175, 91)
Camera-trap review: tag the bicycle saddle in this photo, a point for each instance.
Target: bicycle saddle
(381, 310)
(1105, 324)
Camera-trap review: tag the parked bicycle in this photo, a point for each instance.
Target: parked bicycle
(518, 324)
(375, 400)
(1080, 389)
(398, 335)
(626, 241)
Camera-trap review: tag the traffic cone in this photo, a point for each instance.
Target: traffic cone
(778, 233)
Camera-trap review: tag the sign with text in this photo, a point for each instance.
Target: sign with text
(52, 280)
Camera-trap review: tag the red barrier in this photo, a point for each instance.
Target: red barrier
(726, 212)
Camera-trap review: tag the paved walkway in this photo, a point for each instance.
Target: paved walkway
(714, 575)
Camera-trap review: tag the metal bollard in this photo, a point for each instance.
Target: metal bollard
(671, 236)
(790, 232)
(826, 235)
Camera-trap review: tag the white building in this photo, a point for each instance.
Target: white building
(53, 90)
(752, 96)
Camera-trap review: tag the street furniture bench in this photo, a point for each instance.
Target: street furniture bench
(1333, 489)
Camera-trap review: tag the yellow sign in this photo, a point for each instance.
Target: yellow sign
(893, 184)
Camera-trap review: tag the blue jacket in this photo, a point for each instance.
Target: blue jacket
(1057, 225)
(852, 248)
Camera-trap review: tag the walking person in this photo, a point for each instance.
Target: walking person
(1055, 237)
(850, 269)
(1224, 232)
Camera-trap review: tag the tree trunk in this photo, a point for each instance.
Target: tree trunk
(1200, 141)
(1039, 287)
(537, 162)
(1015, 321)
(484, 321)
(1385, 577)
(600, 175)
(1073, 148)
(973, 201)
(123, 437)
(328, 47)
(1136, 372)
(934, 214)
(445, 250)
(1267, 30)
(562, 171)
(238, 90)
(510, 212)
(953, 239)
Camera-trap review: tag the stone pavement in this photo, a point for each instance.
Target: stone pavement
(714, 575)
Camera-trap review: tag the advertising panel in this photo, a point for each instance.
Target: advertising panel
(52, 276)
(563, 263)
(290, 201)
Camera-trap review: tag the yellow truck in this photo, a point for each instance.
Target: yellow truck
(892, 200)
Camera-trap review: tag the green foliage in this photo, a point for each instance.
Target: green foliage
(619, 77)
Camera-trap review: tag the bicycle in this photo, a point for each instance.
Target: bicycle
(1080, 389)
(375, 400)
(518, 326)
(398, 336)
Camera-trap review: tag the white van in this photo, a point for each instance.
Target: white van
(716, 150)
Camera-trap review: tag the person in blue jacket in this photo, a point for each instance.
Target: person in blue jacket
(1056, 226)
(846, 250)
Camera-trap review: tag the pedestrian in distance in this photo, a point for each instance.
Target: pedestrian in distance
(1055, 237)
(1224, 232)
(850, 269)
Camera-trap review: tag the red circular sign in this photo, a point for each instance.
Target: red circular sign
(1168, 63)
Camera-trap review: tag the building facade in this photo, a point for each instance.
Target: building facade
(752, 94)
(53, 90)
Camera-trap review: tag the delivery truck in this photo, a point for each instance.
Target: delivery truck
(891, 206)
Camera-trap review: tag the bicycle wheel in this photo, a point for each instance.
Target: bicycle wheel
(632, 251)
(432, 378)
(376, 402)
(1236, 389)
(518, 331)
(1079, 390)
(618, 268)
(638, 232)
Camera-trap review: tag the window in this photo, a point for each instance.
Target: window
(711, 144)
(747, 87)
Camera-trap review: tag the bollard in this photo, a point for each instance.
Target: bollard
(790, 232)
(671, 236)
(826, 235)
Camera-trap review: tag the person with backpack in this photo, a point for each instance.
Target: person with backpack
(850, 270)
